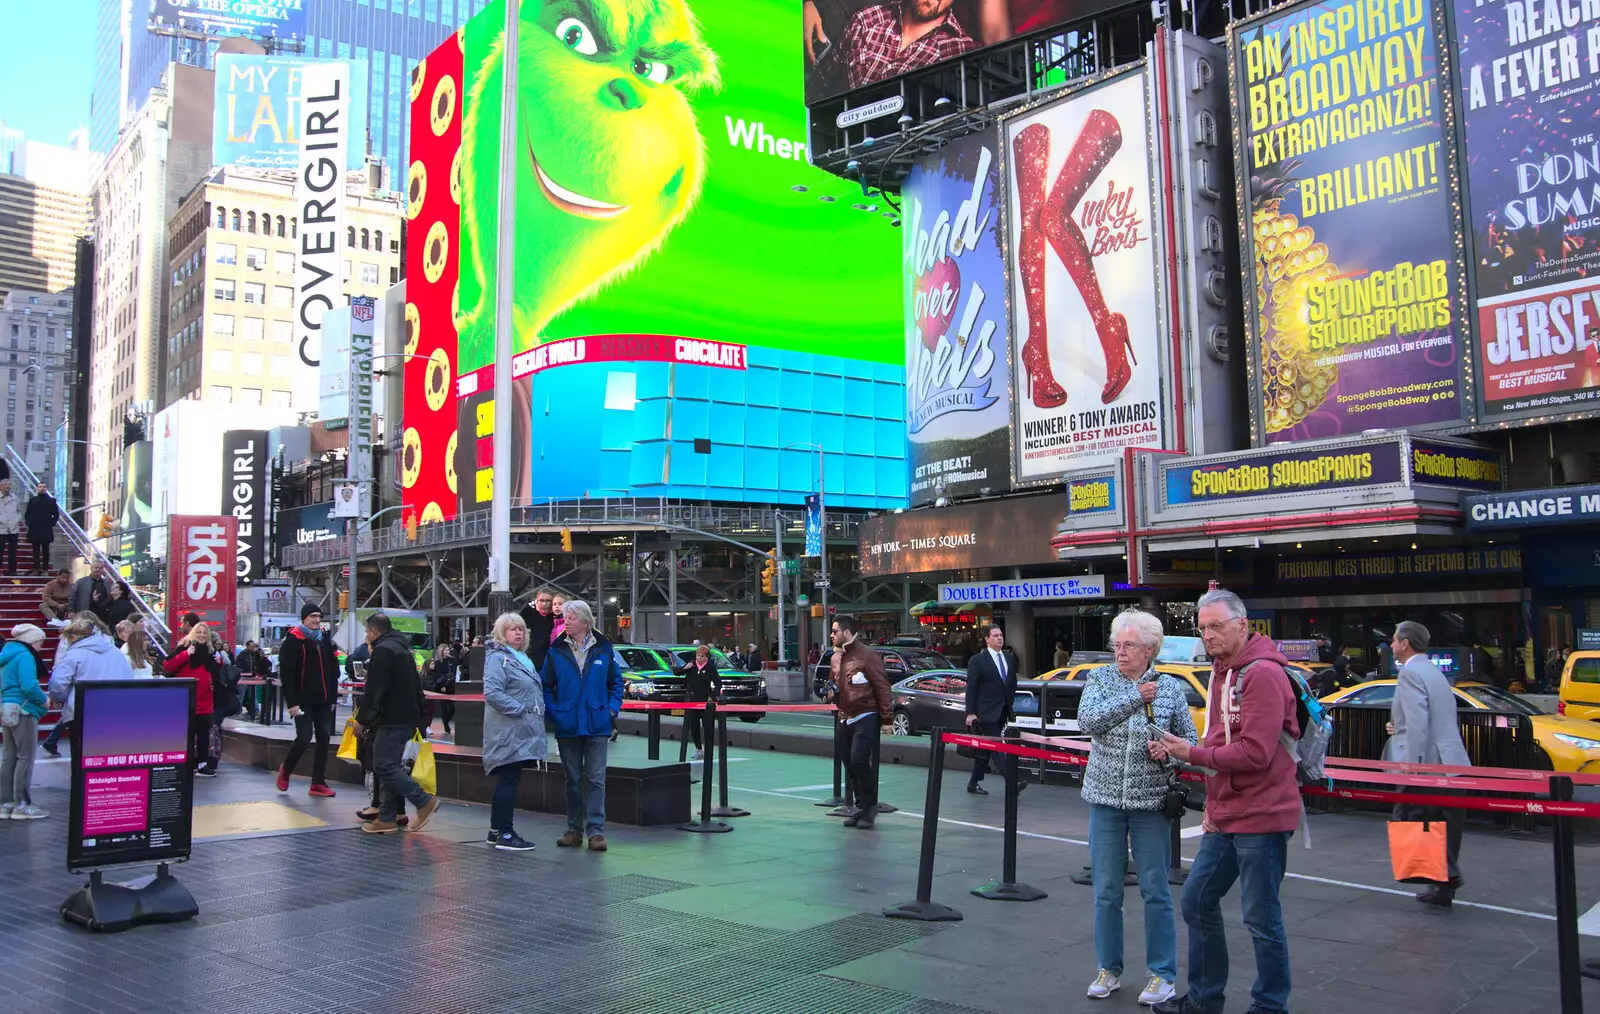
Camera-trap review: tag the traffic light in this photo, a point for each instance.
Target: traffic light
(816, 611)
(344, 600)
(411, 528)
(769, 573)
(566, 540)
(104, 529)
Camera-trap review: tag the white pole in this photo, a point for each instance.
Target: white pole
(505, 312)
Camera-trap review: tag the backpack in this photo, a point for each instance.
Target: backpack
(1316, 731)
(225, 690)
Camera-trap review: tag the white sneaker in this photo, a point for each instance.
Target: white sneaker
(1104, 985)
(5, 810)
(28, 812)
(697, 755)
(58, 624)
(1157, 990)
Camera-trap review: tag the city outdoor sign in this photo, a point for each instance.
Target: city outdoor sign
(871, 111)
(1045, 589)
(1533, 508)
(245, 496)
(319, 192)
(202, 572)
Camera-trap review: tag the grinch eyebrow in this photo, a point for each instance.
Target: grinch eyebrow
(690, 60)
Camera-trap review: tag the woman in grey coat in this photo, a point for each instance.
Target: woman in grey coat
(513, 724)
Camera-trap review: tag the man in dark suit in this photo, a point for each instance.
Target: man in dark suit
(991, 685)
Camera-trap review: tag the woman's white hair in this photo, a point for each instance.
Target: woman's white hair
(505, 623)
(1143, 625)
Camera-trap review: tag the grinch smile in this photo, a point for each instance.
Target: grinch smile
(570, 201)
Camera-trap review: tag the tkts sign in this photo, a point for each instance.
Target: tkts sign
(201, 571)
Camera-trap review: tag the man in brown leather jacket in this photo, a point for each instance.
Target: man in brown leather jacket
(862, 692)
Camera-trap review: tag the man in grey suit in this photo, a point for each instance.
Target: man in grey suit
(1423, 729)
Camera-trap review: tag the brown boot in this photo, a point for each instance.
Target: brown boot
(597, 843)
(425, 813)
(380, 827)
(569, 839)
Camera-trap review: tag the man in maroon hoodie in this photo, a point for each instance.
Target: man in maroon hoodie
(1252, 807)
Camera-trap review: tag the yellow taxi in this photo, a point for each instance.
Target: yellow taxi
(1580, 686)
(1569, 744)
(1195, 679)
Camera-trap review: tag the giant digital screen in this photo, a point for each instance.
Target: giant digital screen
(1529, 93)
(849, 44)
(1356, 302)
(689, 318)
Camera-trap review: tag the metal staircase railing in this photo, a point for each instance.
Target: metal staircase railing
(154, 624)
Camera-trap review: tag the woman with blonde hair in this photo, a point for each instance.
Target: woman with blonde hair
(194, 659)
(513, 724)
(136, 649)
(86, 653)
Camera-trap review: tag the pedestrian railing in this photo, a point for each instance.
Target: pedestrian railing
(85, 547)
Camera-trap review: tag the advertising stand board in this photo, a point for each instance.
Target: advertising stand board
(132, 800)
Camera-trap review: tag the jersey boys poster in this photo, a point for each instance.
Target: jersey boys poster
(1356, 302)
(958, 405)
(1527, 92)
(1085, 300)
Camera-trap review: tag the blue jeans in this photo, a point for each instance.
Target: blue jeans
(388, 753)
(1110, 832)
(1257, 862)
(583, 759)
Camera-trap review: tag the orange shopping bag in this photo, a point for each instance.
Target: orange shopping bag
(1417, 851)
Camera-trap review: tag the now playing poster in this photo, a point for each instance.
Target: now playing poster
(958, 405)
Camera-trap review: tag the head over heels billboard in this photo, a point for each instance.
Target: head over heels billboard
(1085, 296)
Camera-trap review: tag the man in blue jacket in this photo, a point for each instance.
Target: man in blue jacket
(583, 694)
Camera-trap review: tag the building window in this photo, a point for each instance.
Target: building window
(350, 237)
(394, 275)
(254, 328)
(222, 217)
(280, 226)
(235, 220)
(250, 365)
(255, 292)
(222, 360)
(377, 240)
(366, 239)
(283, 261)
(280, 399)
(224, 289)
(227, 253)
(255, 258)
(369, 274)
(222, 325)
(282, 295)
(249, 395)
(222, 395)
(283, 331)
(250, 222)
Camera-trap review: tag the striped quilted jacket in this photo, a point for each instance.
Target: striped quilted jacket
(1120, 772)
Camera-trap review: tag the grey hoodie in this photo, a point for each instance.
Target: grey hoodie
(94, 658)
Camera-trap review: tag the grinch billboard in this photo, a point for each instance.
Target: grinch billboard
(685, 309)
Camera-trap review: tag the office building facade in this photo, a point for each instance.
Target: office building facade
(36, 341)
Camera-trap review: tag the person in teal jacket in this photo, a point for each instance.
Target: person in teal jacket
(19, 686)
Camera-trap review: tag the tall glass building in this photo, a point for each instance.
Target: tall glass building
(390, 35)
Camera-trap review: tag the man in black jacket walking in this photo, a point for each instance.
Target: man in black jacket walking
(392, 706)
(309, 673)
(991, 687)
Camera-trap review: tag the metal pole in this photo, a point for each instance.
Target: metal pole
(351, 534)
(720, 731)
(822, 516)
(1569, 958)
(672, 595)
(505, 309)
(600, 588)
(925, 909)
(777, 532)
(633, 592)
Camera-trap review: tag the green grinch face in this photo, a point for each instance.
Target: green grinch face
(609, 155)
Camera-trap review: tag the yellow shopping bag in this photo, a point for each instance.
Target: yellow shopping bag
(347, 745)
(423, 770)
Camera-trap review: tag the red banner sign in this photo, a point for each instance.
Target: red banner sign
(611, 348)
(201, 574)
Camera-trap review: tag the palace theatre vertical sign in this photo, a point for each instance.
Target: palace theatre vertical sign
(202, 571)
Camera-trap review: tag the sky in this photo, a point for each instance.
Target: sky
(46, 66)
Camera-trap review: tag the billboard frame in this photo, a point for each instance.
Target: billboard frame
(1158, 230)
(1452, 178)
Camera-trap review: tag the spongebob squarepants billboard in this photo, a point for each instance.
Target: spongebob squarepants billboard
(688, 315)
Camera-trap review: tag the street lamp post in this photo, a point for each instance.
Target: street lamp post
(822, 518)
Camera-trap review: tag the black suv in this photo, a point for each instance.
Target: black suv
(647, 673)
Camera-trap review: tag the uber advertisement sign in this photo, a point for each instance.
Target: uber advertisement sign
(245, 496)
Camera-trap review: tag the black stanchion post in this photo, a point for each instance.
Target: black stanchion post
(721, 732)
(1176, 874)
(652, 721)
(1571, 961)
(877, 763)
(1008, 889)
(925, 909)
(838, 797)
(705, 825)
(683, 736)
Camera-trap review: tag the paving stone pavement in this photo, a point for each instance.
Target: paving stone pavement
(780, 916)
